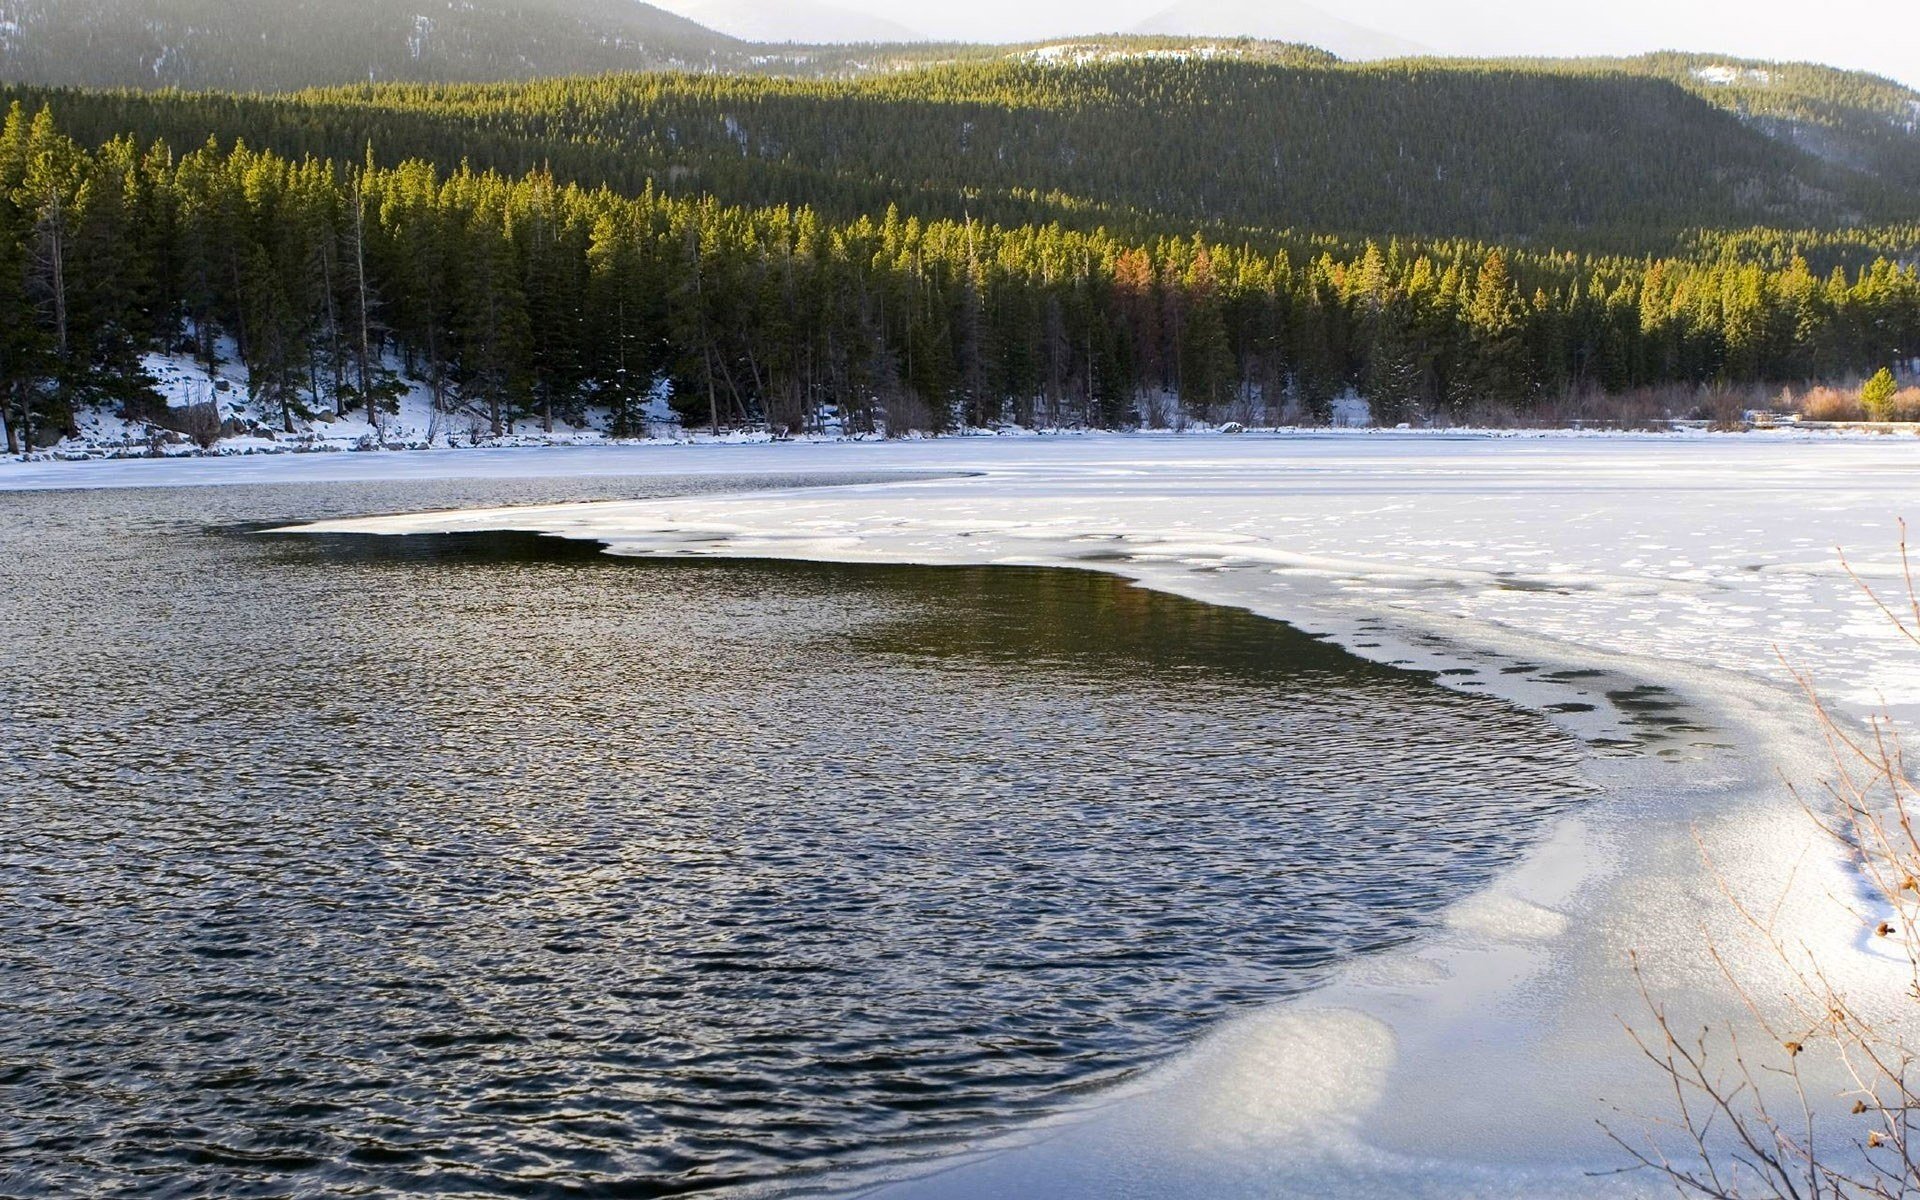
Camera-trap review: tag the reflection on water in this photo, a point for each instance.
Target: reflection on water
(487, 864)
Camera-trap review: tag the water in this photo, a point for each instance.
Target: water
(491, 865)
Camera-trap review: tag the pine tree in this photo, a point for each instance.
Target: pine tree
(1876, 396)
(25, 360)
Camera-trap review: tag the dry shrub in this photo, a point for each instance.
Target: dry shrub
(1726, 409)
(1249, 409)
(1729, 1136)
(1832, 404)
(1588, 406)
(1725, 406)
(1489, 414)
(199, 422)
(1905, 405)
(1156, 408)
(1593, 407)
(908, 414)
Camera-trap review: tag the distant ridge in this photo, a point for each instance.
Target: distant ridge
(1154, 133)
(793, 21)
(262, 45)
(1277, 21)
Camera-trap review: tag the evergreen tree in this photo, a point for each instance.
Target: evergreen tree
(1877, 395)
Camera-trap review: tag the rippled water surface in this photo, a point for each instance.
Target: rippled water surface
(491, 865)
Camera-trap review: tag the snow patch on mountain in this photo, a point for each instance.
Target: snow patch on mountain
(1722, 75)
(1080, 54)
(1278, 21)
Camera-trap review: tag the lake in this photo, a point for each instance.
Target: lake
(491, 864)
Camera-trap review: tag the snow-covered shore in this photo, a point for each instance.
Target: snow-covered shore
(530, 454)
(1480, 1061)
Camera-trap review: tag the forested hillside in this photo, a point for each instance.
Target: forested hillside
(1584, 158)
(258, 46)
(1857, 120)
(1859, 123)
(526, 296)
(1096, 233)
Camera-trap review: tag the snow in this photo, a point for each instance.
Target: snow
(1080, 54)
(184, 380)
(1550, 569)
(417, 40)
(1351, 412)
(1722, 75)
(1279, 21)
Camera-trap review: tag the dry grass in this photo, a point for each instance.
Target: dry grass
(1832, 404)
(1590, 407)
(1844, 404)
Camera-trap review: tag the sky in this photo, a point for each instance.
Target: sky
(1874, 35)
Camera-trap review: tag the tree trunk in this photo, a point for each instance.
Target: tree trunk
(332, 314)
(20, 438)
(240, 340)
(706, 340)
(57, 252)
(365, 349)
(713, 396)
(437, 384)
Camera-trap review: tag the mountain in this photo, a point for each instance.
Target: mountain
(1148, 136)
(1277, 21)
(804, 22)
(1039, 233)
(1853, 120)
(1849, 118)
(262, 45)
(1239, 132)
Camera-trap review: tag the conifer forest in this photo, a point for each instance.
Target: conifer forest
(974, 244)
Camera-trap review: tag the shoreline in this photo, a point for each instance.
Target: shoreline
(1411, 1072)
(45, 468)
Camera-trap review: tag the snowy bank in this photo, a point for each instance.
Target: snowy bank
(231, 422)
(1561, 573)
(135, 462)
(219, 403)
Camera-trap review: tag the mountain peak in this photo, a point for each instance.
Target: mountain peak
(807, 22)
(1278, 21)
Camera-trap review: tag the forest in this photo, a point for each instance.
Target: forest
(524, 296)
(1582, 158)
(249, 46)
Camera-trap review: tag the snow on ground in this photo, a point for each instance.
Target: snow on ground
(242, 425)
(1723, 75)
(254, 427)
(1080, 54)
(1548, 570)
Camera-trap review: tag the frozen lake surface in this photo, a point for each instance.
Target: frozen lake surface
(1592, 579)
